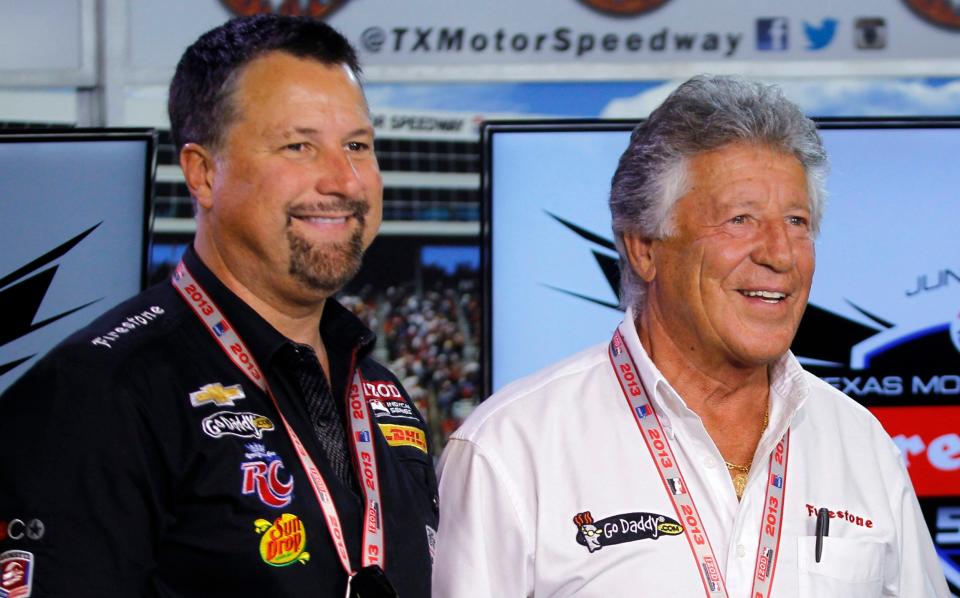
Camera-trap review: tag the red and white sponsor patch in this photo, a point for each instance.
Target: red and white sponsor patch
(386, 400)
(16, 574)
(381, 389)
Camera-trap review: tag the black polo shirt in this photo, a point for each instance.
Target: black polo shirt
(155, 467)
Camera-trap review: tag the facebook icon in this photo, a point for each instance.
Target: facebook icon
(772, 33)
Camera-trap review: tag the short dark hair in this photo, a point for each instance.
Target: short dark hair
(200, 102)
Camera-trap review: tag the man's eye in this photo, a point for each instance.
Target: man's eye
(296, 147)
(797, 220)
(357, 146)
(740, 219)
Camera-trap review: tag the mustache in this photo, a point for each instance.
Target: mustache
(357, 207)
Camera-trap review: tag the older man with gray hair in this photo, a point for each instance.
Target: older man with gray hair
(691, 455)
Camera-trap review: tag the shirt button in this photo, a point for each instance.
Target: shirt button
(709, 462)
(741, 551)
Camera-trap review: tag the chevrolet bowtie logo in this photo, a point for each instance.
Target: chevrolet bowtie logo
(217, 394)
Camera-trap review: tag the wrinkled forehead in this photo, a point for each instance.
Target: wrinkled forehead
(733, 169)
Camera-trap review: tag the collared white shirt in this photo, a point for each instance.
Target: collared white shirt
(563, 443)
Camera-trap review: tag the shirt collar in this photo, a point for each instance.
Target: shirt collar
(788, 389)
(339, 328)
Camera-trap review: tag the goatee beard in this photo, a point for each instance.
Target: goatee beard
(328, 267)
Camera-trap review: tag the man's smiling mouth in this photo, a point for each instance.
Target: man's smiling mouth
(765, 296)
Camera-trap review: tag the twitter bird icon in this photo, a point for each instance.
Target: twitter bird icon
(820, 36)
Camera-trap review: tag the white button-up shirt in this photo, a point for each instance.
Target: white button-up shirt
(563, 445)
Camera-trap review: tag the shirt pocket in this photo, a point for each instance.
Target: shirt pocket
(848, 568)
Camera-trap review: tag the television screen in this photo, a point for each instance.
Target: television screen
(886, 274)
(74, 219)
(883, 321)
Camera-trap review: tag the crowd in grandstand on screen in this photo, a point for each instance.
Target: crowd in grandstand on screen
(430, 340)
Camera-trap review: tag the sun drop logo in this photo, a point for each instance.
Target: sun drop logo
(284, 541)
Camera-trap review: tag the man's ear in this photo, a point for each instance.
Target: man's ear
(199, 168)
(641, 252)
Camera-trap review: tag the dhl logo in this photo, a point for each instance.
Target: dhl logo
(397, 435)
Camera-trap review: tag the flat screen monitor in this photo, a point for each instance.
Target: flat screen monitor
(887, 280)
(75, 223)
(883, 320)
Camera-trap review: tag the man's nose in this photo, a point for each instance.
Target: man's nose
(337, 174)
(775, 247)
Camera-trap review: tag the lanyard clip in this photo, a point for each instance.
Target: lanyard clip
(370, 582)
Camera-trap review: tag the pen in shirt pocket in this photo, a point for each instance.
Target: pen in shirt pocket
(823, 529)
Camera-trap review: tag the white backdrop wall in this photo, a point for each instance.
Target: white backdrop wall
(117, 56)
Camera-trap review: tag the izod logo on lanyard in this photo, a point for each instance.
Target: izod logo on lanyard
(625, 369)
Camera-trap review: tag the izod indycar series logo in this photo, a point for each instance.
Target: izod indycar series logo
(385, 400)
(628, 527)
(764, 560)
(283, 541)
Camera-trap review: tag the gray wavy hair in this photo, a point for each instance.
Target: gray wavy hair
(703, 114)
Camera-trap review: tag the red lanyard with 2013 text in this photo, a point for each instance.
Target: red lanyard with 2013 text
(659, 446)
(372, 552)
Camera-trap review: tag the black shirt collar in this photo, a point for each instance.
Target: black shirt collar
(341, 331)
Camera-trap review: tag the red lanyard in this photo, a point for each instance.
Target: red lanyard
(361, 434)
(649, 424)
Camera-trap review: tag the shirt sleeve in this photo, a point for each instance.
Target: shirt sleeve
(482, 548)
(921, 573)
(75, 463)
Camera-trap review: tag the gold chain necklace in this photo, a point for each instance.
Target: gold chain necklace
(740, 478)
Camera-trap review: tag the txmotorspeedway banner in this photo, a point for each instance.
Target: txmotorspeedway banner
(591, 39)
(754, 36)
